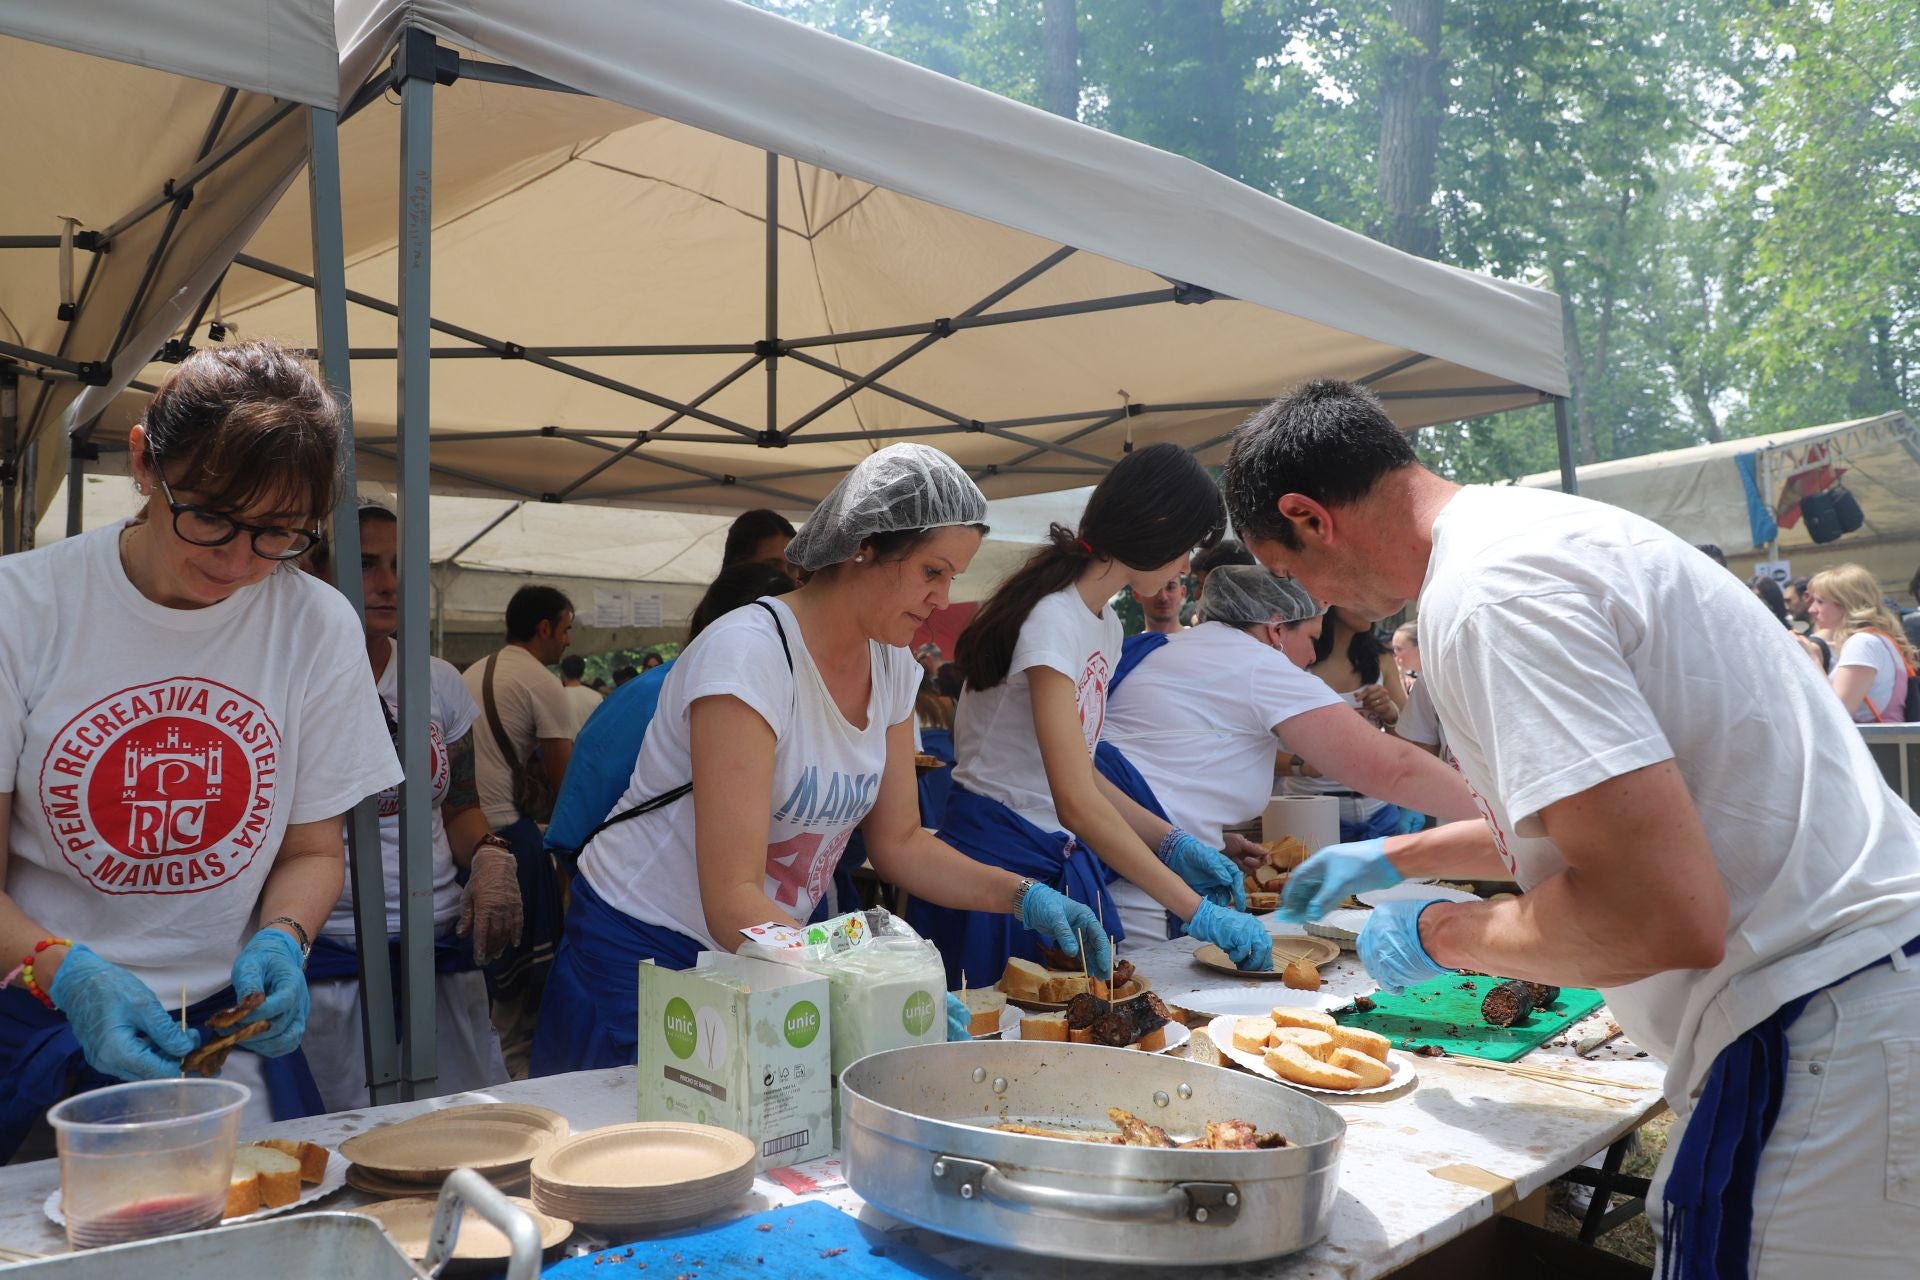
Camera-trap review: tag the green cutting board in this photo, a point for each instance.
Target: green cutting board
(1446, 1012)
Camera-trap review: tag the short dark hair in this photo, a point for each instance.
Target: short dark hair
(949, 681)
(1225, 551)
(533, 605)
(1801, 584)
(247, 424)
(749, 530)
(1771, 596)
(1328, 440)
(1712, 552)
(573, 666)
(737, 585)
(623, 674)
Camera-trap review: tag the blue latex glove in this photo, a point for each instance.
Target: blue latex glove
(1244, 939)
(121, 1027)
(1064, 922)
(1390, 946)
(1208, 872)
(959, 1021)
(270, 962)
(1325, 880)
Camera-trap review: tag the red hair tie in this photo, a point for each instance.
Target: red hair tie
(1085, 550)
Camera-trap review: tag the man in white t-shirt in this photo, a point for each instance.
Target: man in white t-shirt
(528, 707)
(1730, 870)
(583, 700)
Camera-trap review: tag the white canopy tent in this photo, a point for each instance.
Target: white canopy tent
(684, 252)
(1743, 495)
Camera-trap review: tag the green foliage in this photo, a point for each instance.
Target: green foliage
(1725, 195)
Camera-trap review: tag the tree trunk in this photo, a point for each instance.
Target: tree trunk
(1411, 103)
(1060, 58)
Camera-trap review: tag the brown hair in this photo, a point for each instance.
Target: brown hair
(245, 425)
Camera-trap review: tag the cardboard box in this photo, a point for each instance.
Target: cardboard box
(742, 1044)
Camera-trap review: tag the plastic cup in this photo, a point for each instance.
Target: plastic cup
(146, 1159)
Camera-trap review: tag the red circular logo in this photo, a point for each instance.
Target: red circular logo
(167, 787)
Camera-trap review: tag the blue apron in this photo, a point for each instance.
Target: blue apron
(981, 942)
(1133, 651)
(936, 785)
(42, 1063)
(590, 1011)
(1119, 770)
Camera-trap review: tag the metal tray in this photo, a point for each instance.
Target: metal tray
(308, 1246)
(917, 1145)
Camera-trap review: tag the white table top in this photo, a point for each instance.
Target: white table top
(1392, 1206)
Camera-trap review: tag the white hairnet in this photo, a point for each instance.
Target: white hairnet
(1248, 593)
(904, 486)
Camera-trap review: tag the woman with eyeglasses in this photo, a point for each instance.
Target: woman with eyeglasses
(184, 718)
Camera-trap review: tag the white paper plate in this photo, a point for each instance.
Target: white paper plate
(1177, 1035)
(1341, 926)
(1413, 889)
(1220, 1030)
(1010, 1016)
(1254, 1001)
(330, 1182)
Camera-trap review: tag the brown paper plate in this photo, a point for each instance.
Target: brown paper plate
(374, 1183)
(649, 1173)
(520, 1113)
(1285, 950)
(420, 1151)
(409, 1224)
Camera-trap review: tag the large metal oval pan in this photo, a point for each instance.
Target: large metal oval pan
(918, 1142)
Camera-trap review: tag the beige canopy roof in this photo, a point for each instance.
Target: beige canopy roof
(1045, 291)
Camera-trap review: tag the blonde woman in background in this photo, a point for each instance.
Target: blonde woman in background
(1873, 659)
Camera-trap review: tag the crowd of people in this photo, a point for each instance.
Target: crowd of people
(186, 718)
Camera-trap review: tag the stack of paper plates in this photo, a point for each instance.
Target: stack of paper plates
(413, 1157)
(409, 1224)
(643, 1175)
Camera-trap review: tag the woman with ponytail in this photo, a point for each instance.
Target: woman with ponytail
(1037, 660)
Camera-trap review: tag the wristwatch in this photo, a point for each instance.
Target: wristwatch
(299, 931)
(1020, 895)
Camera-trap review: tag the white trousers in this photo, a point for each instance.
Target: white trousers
(465, 1046)
(1837, 1192)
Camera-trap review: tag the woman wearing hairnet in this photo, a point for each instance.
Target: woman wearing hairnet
(785, 726)
(1201, 715)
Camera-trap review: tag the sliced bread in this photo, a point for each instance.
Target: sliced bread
(311, 1155)
(1023, 979)
(983, 1009)
(275, 1173)
(1044, 1026)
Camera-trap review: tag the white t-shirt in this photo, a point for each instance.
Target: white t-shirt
(826, 772)
(156, 755)
(452, 716)
(1567, 642)
(1865, 649)
(1417, 722)
(532, 705)
(584, 702)
(999, 753)
(1197, 717)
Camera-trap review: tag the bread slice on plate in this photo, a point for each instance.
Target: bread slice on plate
(1062, 987)
(311, 1155)
(1044, 1026)
(1023, 979)
(983, 1008)
(275, 1176)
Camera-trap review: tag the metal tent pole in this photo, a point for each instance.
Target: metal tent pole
(76, 483)
(416, 70)
(1563, 434)
(772, 351)
(363, 822)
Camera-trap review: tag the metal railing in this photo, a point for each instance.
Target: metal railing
(1896, 749)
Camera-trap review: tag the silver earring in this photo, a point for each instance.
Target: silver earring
(859, 559)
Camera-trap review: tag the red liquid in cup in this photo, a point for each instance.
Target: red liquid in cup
(144, 1219)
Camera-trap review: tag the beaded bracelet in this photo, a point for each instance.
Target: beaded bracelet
(24, 970)
(1167, 842)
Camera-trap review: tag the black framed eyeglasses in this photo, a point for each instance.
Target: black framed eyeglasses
(204, 528)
